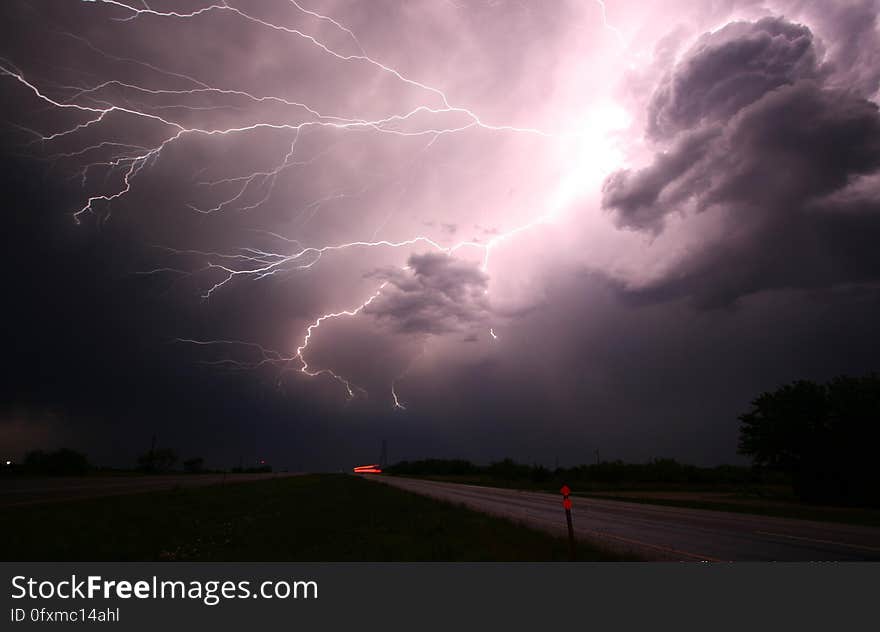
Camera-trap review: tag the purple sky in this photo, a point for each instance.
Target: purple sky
(476, 229)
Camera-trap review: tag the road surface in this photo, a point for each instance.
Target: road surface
(664, 533)
(16, 492)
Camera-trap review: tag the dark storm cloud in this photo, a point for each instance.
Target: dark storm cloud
(436, 294)
(729, 69)
(759, 137)
(636, 195)
(853, 42)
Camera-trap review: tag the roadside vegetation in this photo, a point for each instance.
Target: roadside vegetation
(812, 448)
(326, 517)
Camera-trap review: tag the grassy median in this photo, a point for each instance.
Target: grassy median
(332, 517)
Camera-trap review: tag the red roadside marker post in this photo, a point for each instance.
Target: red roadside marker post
(566, 503)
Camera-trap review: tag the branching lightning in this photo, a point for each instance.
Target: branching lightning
(95, 104)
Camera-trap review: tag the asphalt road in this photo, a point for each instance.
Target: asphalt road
(664, 533)
(30, 491)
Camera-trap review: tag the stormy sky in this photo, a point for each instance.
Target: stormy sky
(288, 230)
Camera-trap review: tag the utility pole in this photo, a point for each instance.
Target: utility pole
(597, 456)
(151, 461)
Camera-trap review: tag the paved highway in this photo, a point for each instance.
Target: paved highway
(664, 533)
(30, 491)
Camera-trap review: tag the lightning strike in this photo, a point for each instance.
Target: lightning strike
(608, 27)
(397, 403)
(94, 105)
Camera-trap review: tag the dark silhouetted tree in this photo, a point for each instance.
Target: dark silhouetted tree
(825, 435)
(61, 462)
(156, 461)
(194, 465)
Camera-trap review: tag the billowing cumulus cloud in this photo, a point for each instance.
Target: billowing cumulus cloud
(730, 69)
(435, 294)
(852, 43)
(759, 138)
(642, 198)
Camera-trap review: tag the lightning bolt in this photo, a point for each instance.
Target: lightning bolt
(94, 105)
(305, 343)
(397, 403)
(607, 26)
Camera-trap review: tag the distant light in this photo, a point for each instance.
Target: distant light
(8, 462)
(367, 469)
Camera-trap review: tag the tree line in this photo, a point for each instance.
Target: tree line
(656, 471)
(820, 438)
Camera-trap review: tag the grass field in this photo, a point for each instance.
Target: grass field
(332, 517)
(759, 500)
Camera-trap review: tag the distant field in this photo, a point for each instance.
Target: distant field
(332, 517)
(765, 500)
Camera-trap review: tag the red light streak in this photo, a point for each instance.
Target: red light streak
(367, 469)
